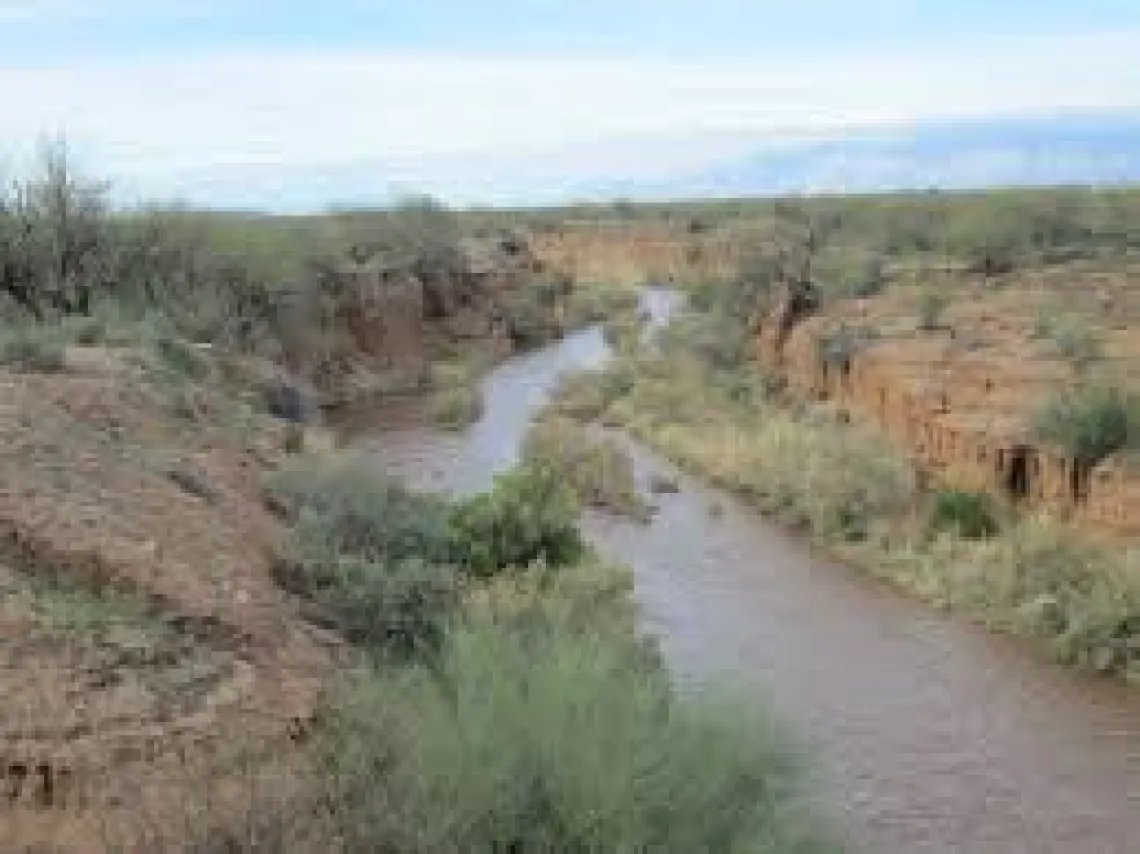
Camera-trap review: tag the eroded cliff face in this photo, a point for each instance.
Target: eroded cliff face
(375, 325)
(961, 396)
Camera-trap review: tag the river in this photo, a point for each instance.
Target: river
(929, 734)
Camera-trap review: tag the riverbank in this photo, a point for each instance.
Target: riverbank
(220, 634)
(849, 491)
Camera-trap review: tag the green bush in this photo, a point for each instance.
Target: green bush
(33, 348)
(1090, 424)
(371, 556)
(400, 608)
(528, 516)
(966, 514)
(551, 741)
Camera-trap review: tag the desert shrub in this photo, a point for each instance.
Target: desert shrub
(598, 471)
(1091, 423)
(530, 317)
(595, 302)
(400, 608)
(370, 555)
(586, 395)
(718, 339)
(967, 514)
(1075, 341)
(455, 407)
(346, 505)
(33, 348)
(528, 516)
(623, 333)
(548, 740)
(931, 306)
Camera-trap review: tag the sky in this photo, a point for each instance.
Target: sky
(300, 104)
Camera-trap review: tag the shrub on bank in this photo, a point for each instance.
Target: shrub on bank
(372, 557)
(33, 348)
(548, 740)
(597, 470)
(965, 514)
(529, 516)
(585, 396)
(456, 407)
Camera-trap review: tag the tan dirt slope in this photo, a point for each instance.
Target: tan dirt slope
(139, 621)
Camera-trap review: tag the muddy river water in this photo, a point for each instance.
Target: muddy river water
(928, 734)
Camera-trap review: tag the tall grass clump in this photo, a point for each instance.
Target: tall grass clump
(548, 740)
(598, 470)
(456, 407)
(1038, 578)
(585, 396)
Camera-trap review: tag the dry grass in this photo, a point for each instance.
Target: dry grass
(599, 472)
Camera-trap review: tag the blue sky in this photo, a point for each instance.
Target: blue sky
(230, 101)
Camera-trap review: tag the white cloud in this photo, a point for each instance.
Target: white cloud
(178, 121)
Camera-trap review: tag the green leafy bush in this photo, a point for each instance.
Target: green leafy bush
(552, 741)
(967, 514)
(529, 516)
